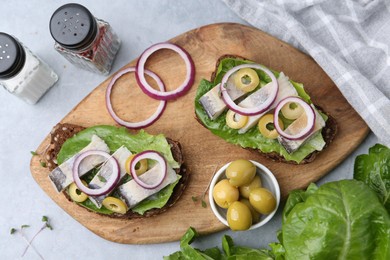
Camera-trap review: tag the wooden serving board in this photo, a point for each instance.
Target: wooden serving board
(203, 151)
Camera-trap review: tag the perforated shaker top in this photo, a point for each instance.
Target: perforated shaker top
(73, 26)
(12, 56)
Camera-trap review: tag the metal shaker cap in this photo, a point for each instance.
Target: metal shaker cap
(12, 56)
(73, 26)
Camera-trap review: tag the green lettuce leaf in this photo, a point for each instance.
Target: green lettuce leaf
(339, 220)
(89, 205)
(188, 252)
(374, 170)
(277, 250)
(116, 137)
(297, 196)
(230, 251)
(156, 201)
(252, 138)
(240, 252)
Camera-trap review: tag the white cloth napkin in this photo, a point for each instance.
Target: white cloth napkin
(349, 39)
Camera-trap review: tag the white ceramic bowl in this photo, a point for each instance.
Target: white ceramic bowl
(268, 181)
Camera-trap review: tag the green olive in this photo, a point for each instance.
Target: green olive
(239, 216)
(246, 79)
(292, 110)
(255, 214)
(262, 200)
(140, 168)
(240, 172)
(233, 122)
(115, 205)
(225, 194)
(246, 189)
(267, 128)
(76, 194)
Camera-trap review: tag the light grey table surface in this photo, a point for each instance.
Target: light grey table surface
(22, 127)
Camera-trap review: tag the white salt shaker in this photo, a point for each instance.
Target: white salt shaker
(21, 72)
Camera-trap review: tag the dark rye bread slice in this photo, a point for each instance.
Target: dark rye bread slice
(61, 132)
(58, 135)
(328, 132)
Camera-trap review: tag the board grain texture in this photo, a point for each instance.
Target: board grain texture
(204, 152)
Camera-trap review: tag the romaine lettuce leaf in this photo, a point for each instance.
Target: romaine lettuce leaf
(116, 137)
(374, 170)
(240, 252)
(339, 220)
(277, 251)
(230, 251)
(252, 138)
(297, 196)
(188, 252)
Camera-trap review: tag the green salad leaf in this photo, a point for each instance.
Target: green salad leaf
(116, 137)
(278, 251)
(188, 252)
(240, 252)
(230, 251)
(252, 138)
(374, 170)
(89, 205)
(297, 196)
(339, 220)
(157, 200)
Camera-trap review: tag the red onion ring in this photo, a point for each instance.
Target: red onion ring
(252, 111)
(146, 122)
(110, 184)
(163, 95)
(153, 155)
(311, 118)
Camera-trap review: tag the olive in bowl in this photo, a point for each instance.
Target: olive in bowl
(250, 193)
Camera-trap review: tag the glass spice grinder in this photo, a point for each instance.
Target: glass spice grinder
(84, 40)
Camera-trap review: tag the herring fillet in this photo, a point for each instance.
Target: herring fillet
(132, 193)
(212, 101)
(293, 145)
(105, 172)
(286, 89)
(62, 175)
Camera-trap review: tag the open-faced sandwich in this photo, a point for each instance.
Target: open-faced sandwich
(247, 104)
(110, 171)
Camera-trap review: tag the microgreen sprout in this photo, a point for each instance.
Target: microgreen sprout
(203, 195)
(46, 224)
(43, 164)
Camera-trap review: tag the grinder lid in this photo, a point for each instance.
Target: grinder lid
(73, 26)
(12, 56)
